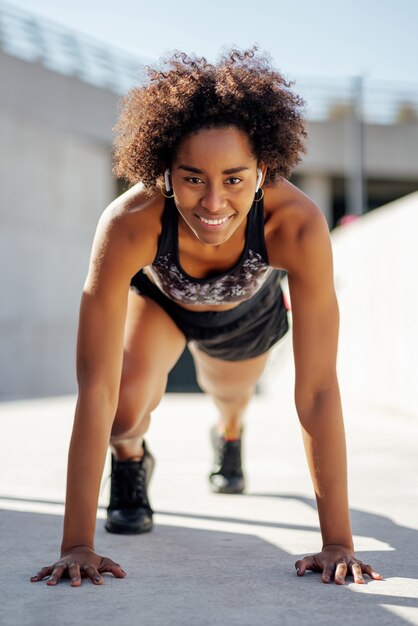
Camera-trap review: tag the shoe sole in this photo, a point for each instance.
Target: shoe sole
(123, 530)
(226, 490)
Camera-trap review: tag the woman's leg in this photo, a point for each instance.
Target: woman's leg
(231, 384)
(153, 344)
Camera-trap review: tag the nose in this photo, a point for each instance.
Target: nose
(213, 199)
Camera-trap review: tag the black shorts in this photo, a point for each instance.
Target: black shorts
(246, 331)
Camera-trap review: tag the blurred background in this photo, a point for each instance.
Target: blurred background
(63, 68)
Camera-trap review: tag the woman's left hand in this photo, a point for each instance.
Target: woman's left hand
(335, 562)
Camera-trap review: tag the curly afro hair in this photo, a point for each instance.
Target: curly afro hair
(187, 94)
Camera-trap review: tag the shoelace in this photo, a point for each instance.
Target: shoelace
(230, 457)
(128, 485)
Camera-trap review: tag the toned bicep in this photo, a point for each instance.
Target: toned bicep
(315, 313)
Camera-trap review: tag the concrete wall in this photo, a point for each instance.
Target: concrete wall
(376, 269)
(53, 186)
(58, 101)
(389, 151)
(55, 180)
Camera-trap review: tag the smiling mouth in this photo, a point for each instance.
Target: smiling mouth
(215, 222)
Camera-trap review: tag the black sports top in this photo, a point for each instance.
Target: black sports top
(235, 285)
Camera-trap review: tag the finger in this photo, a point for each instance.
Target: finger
(340, 573)
(45, 571)
(367, 569)
(107, 565)
(74, 573)
(357, 573)
(307, 563)
(56, 575)
(113, 568)
(327, 573)
(301, 567)
(92, 573)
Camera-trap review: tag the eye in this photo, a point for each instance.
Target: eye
(233, 180)
(194, 180)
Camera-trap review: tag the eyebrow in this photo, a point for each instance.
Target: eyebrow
(232, 170)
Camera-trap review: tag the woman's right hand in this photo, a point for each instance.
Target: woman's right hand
(77, 563)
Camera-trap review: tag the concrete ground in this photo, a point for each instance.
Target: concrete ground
(211, 559)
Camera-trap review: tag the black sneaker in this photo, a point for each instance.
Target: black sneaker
(227, 475)
(129, 510)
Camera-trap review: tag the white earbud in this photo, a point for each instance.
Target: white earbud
(259, 177)
(167, 180)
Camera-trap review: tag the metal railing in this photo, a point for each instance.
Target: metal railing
(380, 102)
(62, 50)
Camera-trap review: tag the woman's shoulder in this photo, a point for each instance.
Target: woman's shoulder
(286, 204)
(136, 214)
(291, 217)
(130, 226)
(136, 206)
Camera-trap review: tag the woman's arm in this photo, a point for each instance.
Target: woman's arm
(99, 362)
(317, 398)
(116, 257)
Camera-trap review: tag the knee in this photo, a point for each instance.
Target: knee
(136, 401)
(225, 391)
(234, 396)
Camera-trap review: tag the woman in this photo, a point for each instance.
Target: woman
(194, 254)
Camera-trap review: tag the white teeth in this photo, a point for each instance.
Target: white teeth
(213, 222)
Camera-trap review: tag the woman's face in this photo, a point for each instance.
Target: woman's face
(214, 178)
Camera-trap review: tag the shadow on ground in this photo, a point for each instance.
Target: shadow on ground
(182, 576)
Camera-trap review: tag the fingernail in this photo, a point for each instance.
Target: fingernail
(298, 570)
(123, 570)
(73, 580)
(97, 578)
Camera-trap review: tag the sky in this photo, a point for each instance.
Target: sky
(312, 38)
